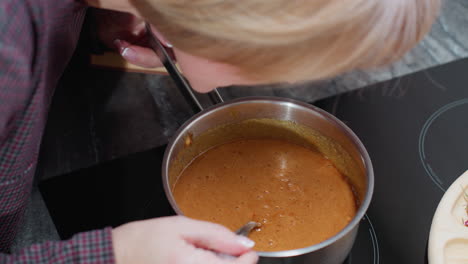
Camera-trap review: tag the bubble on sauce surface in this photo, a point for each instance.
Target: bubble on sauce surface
(271, 242)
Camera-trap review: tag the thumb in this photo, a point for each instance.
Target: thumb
(216, 237)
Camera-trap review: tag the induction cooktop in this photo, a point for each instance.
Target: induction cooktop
(415, 129)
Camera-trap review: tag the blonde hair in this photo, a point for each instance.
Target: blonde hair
(282, 40)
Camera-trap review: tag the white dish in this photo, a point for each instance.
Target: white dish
(448, 239)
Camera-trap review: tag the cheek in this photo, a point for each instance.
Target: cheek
(205, 75)
(198, 75)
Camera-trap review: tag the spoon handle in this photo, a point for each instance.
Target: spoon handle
(247, 228)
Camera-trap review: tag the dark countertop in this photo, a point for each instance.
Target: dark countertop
(414, 129)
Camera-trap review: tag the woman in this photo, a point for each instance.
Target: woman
(216, 43)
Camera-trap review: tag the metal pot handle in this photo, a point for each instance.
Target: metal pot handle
(192, 97)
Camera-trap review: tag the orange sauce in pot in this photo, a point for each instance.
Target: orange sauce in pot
(297, 194)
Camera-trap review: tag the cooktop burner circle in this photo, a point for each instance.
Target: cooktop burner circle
(443, 143)
(366, 246)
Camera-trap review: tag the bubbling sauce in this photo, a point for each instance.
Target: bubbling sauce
(297, 194)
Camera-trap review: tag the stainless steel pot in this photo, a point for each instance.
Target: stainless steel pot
(331, 136)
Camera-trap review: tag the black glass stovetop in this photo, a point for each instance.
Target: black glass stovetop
(415, 129)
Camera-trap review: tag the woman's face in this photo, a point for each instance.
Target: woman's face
(205, 75)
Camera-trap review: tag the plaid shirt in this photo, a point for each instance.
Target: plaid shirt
(37, 39)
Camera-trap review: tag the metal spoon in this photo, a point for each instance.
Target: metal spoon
(247, 228)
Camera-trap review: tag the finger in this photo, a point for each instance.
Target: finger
(138, 55)
(214, 237)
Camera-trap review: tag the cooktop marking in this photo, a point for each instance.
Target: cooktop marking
(422, 140)
(375, 241)
(433, 81)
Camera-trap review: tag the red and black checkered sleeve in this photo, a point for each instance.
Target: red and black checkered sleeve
(27, 76)
(85, 248)
(19, 108)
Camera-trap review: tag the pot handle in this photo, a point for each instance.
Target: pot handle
(192, 97)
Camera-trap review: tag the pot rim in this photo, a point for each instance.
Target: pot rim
(364, 205)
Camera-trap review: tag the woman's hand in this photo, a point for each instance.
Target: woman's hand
(126, 34)
(179, 240)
